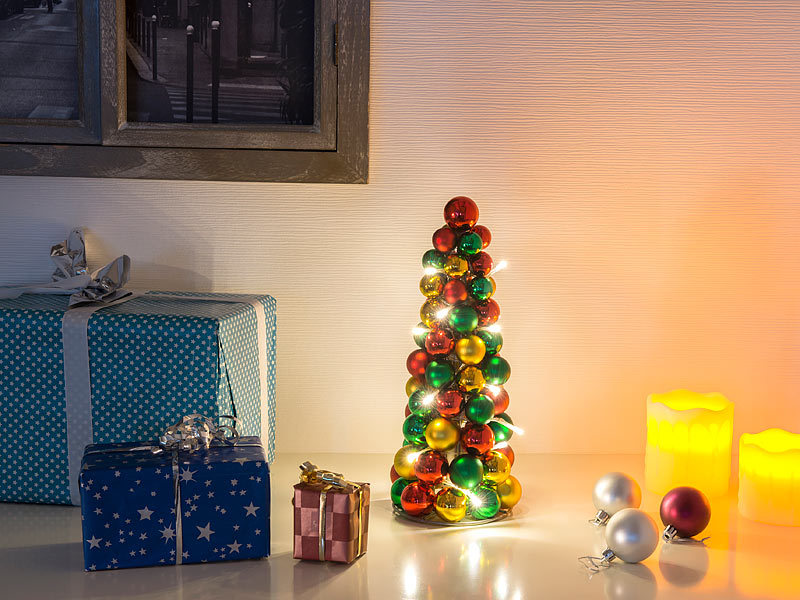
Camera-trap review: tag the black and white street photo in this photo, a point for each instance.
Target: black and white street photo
(220, 61)
(39, 74)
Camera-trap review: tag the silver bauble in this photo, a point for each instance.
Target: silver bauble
(612, 493)
(632, 535)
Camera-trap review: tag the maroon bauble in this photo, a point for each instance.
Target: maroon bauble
(416, 499)
(477, 439)
(488, 312)
(439, 341)
(499, 396)
(449, 402)
(408, 411)
(508, 452)
(454, 291)
(431, 467)
(687, 509)
(416, 363)
(484, 234)
(444, 239)
(481, 264)
(461, 213)
(393, 474)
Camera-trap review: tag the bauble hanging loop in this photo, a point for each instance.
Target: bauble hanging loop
(631, 536)
(612, 493)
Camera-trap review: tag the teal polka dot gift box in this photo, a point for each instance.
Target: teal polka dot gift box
(145, 362)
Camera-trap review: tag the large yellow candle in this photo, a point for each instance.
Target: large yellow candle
(689, 439)
(769, 477)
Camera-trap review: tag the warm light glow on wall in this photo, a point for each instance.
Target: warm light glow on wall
(689, 442)
(769, 477)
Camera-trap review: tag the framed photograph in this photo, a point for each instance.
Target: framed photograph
(245, 90)
(49, 75)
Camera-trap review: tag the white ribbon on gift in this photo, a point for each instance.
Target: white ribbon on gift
(90, 293)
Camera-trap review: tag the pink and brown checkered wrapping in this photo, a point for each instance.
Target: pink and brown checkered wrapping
(342, 522)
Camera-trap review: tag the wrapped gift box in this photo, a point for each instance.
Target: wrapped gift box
(150, 360)
(131, 504)
(331, 516)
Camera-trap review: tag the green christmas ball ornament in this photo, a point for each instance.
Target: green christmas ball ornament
(420, 332)
(418, 402)
(492, 339)
(501, 432)
(438, 373)
(481, 288)
(463, 318)
(414, 428)
(484, 504)
(496, 370)
(397, 489)
(470, 243)
(433, 259)
(480, 409)
(466, 471)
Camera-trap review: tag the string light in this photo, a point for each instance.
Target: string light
(500, 266)
(512, 427)
(428, 400)
(494, 328)
(500, 445)
(441, 314)
(419, 330)
(430, 271)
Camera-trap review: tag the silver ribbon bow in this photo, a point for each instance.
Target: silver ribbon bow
(194, 432)
(71, 277)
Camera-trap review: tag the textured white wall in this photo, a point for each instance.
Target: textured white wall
(637, 163)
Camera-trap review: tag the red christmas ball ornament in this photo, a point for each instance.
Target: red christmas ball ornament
(431, 467)
(488, 312)
(481, 264)
(461, 213)
(499, 396)
(685, 511)
(408, 411)
(454, 291)
(416, 363)
(508, 452)
(449, 402)
(393, 474)
(439, 341)
(477, 439)
(484, 234)
(416, 499)
(444, 239)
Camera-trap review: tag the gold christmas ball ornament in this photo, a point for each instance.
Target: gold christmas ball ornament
(510, 491)
(455, 266)
(496, 467)
(471, 350)
(471, 379)
(429, 310)
(450, 505)
(432, 285)
(441, 434)
(412, 385)
(404, 461)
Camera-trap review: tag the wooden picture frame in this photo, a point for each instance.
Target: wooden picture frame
(334, 149)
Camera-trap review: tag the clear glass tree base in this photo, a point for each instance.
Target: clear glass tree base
(433, 519)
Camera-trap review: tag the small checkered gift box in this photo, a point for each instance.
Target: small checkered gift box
(331, 516)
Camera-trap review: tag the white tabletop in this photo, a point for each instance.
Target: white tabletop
(531, 555)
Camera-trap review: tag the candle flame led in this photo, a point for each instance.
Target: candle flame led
(769, 477)
(689, 442)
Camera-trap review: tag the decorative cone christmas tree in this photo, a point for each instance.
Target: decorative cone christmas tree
(455, 464)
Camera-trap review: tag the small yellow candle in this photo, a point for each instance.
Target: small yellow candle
(689, 439)
(769, 477)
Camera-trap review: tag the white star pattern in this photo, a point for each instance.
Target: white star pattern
(205, 532)
(144, 514)
(168, 533)
(187, 475)
(250, 510)
(94, 542)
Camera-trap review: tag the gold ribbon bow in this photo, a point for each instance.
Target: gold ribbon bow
(313, 475)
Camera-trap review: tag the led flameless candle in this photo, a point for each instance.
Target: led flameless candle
(769, 477)
(689, 442)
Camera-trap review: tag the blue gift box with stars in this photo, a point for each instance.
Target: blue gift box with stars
(141, 508)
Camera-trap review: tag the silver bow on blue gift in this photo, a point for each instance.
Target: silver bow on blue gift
(71, 276)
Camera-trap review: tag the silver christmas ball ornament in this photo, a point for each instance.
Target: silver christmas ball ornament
(612, 493)
(631, 536)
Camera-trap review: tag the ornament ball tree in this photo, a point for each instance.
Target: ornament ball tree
(455, 463)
